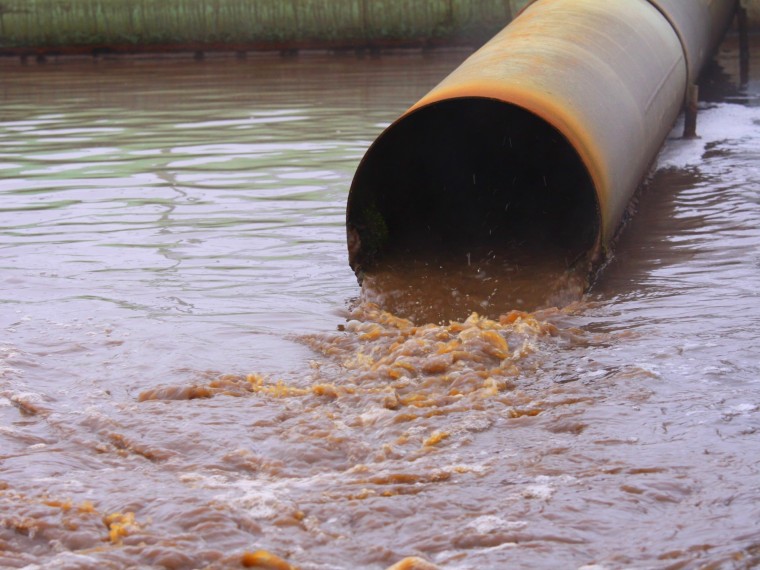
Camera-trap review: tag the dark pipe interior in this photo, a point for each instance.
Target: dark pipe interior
(470, 172)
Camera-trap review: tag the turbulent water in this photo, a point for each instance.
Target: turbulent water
(191, 378)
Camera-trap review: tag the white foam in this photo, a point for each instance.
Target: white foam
(491, 523)
(740, 410)
(544, 486)
(370, 417)
(723, 122)
(27, 398)
(262, 498)
(68, 560)
(540, 492)
(477, 468)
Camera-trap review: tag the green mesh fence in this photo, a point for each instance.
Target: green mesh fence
(247, 23)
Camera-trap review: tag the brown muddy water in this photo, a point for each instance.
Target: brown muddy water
(188, 375)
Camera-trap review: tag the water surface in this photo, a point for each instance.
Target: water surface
(187, 374)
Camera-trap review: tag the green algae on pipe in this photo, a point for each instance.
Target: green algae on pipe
(77, 25)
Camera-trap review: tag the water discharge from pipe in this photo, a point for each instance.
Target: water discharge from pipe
(506, 184)
(467, 223)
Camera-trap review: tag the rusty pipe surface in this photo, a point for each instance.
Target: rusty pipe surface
(700, 27)
(543, 134)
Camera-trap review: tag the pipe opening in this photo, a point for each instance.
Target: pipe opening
(475, 180)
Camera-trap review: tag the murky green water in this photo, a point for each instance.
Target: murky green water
(161, 190)
(175, 390)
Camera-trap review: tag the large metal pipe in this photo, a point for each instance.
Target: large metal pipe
(700, 27)
(540, 137)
